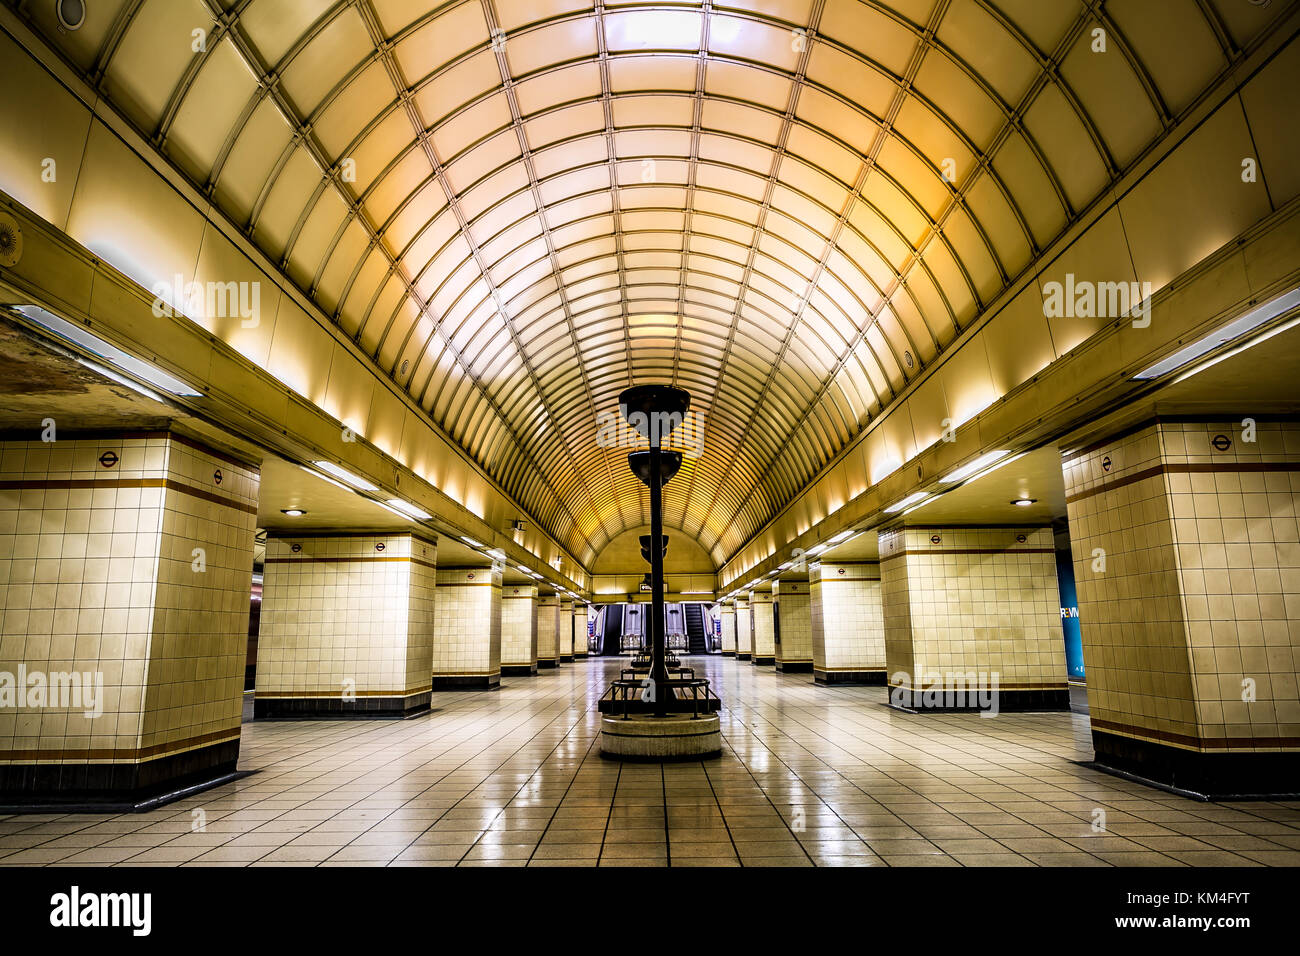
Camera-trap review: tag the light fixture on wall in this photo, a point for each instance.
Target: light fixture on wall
(121, 361)
(408, 509)
(356, 481)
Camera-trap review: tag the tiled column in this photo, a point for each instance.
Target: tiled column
(125, 572)
(346, 626)
(970, 612)
(467, 629)
(744, 630)
(548, 630)
(760, 606)
(566, 631)
(848, 628)
(728, 629)
(1187, 563)
(579, 631)
(792, 626)
(519, 630)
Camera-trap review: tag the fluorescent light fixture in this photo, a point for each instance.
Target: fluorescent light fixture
(520, 567)
(410, 510)
(912, 499)
(121, 380)
(1234, 329)
(400, 514)
(696, 592)
(471, 542)
(77, 335)
(497, 553)
(788, 564)
(970, 468)
(816, 550)
(317, 475)
(356, 481)
(836, 539)
(1248, 344)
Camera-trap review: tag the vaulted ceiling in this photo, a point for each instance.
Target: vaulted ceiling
(517, 208)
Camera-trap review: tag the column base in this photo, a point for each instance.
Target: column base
(566, 658)
(870, 677)
(763, 661)
(518, 670)
(118, 787)
(580, 657)
(467, 681)
(545, 662)
(728, 653)
(1195, 773)
(646, 739)
(335, 708)
(936, 701)
(742, 655)
(794, 667)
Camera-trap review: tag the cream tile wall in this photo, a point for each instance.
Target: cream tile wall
(728, 612)
(467, 623)
(982, 600)
(580, 615)
(136, 568)
(346, 614)
(847, 619)
(519, 625)
(548, 625)
(566, 629)
(744, 629)
(760, 606)
(792, 606)
(1187, 563)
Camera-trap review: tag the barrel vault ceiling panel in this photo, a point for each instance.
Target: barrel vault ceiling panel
(517, 208)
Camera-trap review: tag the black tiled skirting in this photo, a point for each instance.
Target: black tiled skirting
(544, 662)
(794, 667)
(742, 655)
(120, 786)
(876, 678)
(1008, 700)
(763, 661)
(467, 682)
(1213, 776)
(566, 658)
(336, 708)
(518, 670)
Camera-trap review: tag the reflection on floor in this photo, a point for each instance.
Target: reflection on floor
(809, 776)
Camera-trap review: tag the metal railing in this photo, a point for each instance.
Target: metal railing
(698, 686)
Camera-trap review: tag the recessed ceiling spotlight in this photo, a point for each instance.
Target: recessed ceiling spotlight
(1023, 502)
(293, 512)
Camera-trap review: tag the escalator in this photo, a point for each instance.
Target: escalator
(695, 640)
(612, 639)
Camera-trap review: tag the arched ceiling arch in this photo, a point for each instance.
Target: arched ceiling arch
(517, 208)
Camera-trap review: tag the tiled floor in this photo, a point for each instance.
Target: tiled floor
(809, 776)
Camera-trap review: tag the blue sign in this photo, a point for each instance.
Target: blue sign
(1070, 616)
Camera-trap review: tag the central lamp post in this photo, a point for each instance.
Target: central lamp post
(654, 411)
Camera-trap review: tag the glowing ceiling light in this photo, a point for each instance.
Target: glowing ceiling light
(1235, 329)
(75, 334)
(912, 499)
(356, 481)
(970, 468)
(410, 510)
(836, 539)
(471, 542)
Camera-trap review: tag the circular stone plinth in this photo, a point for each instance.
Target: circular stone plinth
(677, 737)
